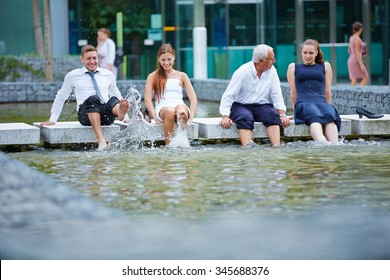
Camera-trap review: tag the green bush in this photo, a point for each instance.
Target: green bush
(12, 68)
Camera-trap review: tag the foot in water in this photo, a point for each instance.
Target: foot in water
(250, 144)
(102, 146)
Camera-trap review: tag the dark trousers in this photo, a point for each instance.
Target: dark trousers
(92, 104)
(244, 115)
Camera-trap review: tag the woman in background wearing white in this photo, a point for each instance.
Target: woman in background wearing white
(106, 50)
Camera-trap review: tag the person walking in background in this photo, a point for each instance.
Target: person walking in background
(356, 49)
(106, 49)
(310, 93)
(98, 99)
(249, 93)
(166, 85)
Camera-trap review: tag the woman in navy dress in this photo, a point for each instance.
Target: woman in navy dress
(311, 95)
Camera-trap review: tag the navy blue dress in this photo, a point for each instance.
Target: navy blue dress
(311, 106)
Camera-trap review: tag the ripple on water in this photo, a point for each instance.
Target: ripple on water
(215, 177)
(299, 201)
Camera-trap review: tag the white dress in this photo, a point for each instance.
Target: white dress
(106, 52)
(173, 96)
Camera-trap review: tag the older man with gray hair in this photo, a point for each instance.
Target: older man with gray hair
(254, 94)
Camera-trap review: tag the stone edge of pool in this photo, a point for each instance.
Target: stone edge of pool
(344, 97)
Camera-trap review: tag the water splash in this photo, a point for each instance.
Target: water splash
(139, 132)
(180, 139)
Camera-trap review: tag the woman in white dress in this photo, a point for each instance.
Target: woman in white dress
(165, 85)
(106, 50)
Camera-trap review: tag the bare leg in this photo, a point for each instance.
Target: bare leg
(353, 82)
(273, 132)
(94, 118)
(331, 132)
(168, 116)
(317, 132)
(121, 109)
(245, 136)
(364, 81)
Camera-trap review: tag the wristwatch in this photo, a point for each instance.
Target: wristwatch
(282, 115)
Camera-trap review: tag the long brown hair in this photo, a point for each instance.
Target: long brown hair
(160, 78)
(320, 55)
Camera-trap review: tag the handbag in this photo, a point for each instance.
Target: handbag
(364, 50)
(118, 58)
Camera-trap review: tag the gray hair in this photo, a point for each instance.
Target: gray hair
(261, 52)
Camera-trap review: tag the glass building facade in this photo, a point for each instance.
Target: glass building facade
(234, 27)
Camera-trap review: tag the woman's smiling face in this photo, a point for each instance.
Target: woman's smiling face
(166, 61)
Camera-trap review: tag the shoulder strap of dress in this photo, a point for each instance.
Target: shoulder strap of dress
(296, 68)
(179, 77)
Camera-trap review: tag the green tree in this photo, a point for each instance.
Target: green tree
(47, 38)
(37, 28)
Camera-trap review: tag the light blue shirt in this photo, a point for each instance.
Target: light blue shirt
(247, 88)
(82, 86)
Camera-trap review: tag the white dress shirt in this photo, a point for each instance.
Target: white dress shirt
(81, 84)
(247, 88)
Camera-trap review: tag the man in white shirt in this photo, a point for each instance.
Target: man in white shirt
(254, 94)
(99, 101)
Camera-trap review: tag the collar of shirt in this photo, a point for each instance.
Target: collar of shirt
(254, 71)
(85, 70)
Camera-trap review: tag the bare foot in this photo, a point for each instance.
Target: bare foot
(102, 145)
(46, 123)
(124, 106)
(182, 118)
(250, 144)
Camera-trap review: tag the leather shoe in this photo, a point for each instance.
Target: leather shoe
(363, 112)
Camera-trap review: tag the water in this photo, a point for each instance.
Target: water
(34, 112)
(38, 112)
(224, 178)
(139, 130)
(215, 200)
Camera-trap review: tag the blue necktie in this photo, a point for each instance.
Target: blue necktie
(92, 74)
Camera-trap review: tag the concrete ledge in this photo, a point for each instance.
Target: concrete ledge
(210, 128)
(73, 132)
(302, 130)
(18, 134)
(366, 126)
(206, 128)
(192, 130)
